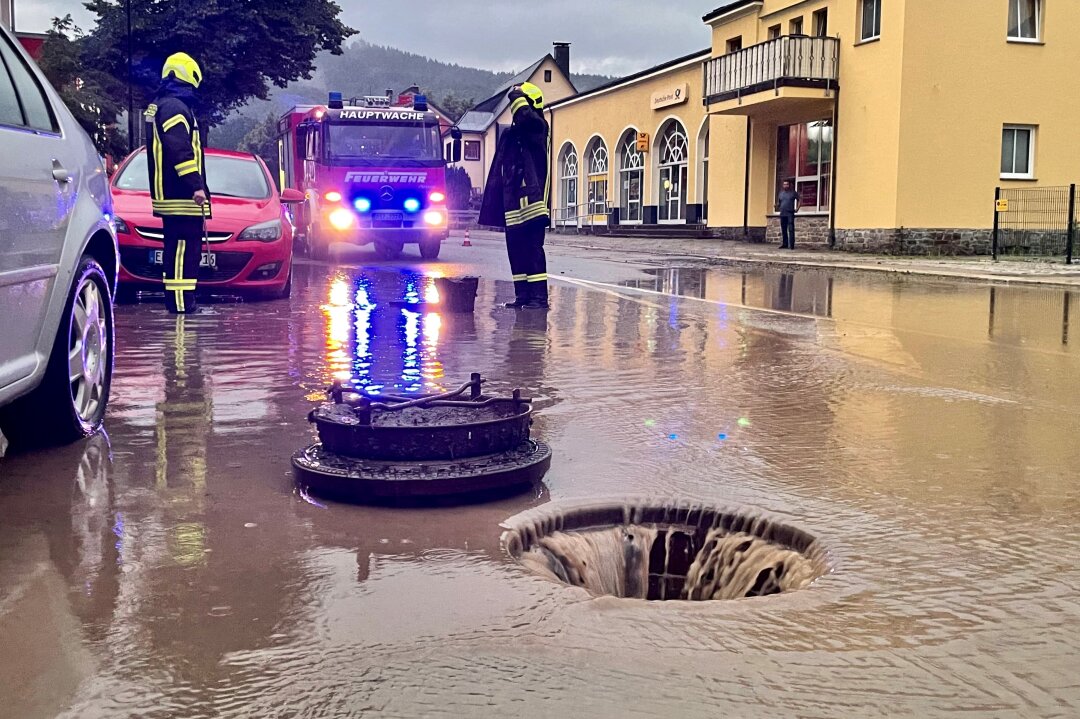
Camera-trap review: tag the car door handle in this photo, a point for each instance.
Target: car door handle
(60, 174)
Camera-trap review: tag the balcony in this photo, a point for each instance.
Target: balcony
(782, 73)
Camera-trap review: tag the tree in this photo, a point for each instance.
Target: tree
(243, 46)
(458, 188)
(262, 141)
(454, 105)
(90, 94)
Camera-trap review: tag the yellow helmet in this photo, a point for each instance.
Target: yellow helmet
(184, 68)
(535, 95)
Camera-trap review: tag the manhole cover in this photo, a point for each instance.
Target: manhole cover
(657, 552)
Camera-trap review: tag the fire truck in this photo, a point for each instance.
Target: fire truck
(372, 171)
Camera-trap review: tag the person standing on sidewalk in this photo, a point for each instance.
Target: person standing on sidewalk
(177, 170)
(787, 204)
(517, 192)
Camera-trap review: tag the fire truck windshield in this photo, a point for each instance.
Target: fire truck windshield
(379, 143)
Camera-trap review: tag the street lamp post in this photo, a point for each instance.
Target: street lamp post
(130, 83)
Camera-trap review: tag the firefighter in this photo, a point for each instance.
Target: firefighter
(178, 178)
(517, 192)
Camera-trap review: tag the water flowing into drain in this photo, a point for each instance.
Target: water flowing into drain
(672, 552)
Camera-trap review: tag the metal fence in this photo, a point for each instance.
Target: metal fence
(1035, 221)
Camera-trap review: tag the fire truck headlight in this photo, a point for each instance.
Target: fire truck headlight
(412, 204)
(438, 196)
(342, 219)
(434, 217)
(362, 204)
(332, 196)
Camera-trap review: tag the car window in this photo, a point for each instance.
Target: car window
(226, 176)
(10, 112)
(34, 104)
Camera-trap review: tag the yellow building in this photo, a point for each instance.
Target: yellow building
(480, 126)
(893, 119)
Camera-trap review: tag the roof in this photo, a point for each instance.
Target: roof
(707, 52)
(475, 121)
(484, 114)
(727, 7)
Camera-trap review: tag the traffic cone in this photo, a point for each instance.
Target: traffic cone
(467, 242)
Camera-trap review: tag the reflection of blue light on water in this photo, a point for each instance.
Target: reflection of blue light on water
(673, 313)
(410, 371)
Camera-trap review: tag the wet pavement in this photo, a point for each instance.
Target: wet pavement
(926, 432)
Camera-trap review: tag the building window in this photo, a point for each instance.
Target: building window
(568, 182)
(547, 75)
(774, 32)
(871, 20)
(804, 158)
(1018, 152)
(821, 22)
(734, 44)
(1025, 18)
(705, 172)
(472, 149)
(674, 160)
(631, 179)
(598, 178)
(795, 27)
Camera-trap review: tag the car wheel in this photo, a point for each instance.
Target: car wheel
(71, 399)
(429, 249)
(389, 251)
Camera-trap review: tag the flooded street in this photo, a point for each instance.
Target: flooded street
(926, 433)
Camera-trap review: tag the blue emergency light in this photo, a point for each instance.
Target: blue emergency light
(412, 205)
(419, 103)
(337, 101)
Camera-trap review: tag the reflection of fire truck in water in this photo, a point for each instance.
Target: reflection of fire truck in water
(373, 172)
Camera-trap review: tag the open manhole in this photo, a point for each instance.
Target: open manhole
(658, 552)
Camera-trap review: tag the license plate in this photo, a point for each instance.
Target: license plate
(386, 216)
(209, 259)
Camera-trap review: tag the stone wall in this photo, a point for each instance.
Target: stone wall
(738, 234)
(916, 241)
(811, 233)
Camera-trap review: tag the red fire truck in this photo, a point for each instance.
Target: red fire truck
(372, 171)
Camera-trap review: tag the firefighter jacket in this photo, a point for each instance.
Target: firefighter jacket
(519, 183)
(175, 154)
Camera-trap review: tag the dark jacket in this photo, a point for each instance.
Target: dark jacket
(174, 152)
(519, 185)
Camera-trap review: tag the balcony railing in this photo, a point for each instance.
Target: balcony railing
(788, 61)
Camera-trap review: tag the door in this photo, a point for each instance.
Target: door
(36, 175)
(672, 193)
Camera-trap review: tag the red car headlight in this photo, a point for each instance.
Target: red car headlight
(263, 232)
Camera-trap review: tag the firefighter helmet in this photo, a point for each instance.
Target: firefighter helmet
(535, 95)
(184, 68)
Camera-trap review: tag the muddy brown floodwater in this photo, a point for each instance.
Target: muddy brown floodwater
(927, 434)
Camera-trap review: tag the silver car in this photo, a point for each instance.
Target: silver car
(58, 263)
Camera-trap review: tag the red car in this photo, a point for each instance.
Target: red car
(250, 235)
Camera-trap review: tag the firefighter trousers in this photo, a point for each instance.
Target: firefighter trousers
(183, 252)
(528, 263)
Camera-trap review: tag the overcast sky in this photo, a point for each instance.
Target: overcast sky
(611, 37)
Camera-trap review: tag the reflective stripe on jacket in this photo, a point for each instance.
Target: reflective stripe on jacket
(176, 161)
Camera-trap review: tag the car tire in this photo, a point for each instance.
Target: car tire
(389, 251)
(283, 293)
(429, 249)
(71, 400)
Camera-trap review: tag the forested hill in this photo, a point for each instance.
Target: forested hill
(368, 69)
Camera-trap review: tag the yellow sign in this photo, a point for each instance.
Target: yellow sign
(1002, 205)
(671, 96)
(643, 142)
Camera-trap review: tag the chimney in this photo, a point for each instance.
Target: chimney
(562, 57)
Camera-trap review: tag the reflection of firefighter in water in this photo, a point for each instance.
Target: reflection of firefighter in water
(182, 431)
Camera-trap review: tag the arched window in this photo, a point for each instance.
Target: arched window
(631, 178)
(674, 159)
(568, 183)
(598, 177)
